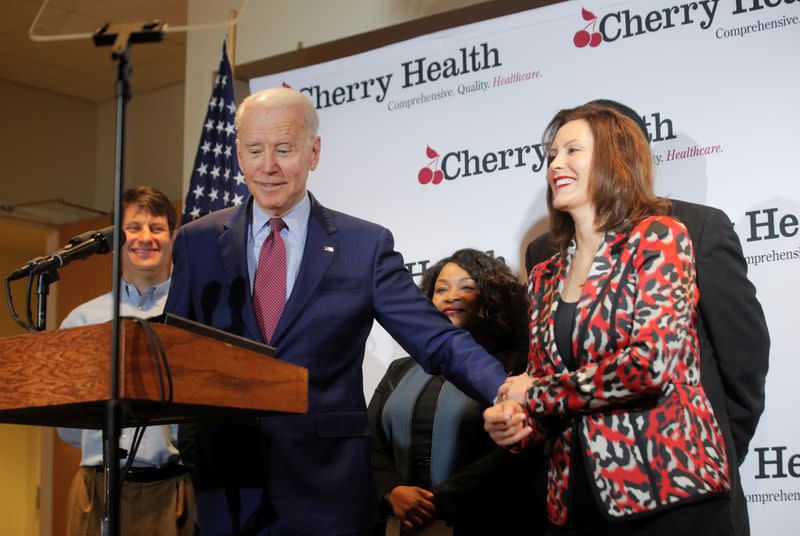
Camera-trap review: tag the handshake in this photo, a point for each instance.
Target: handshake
(507, 421)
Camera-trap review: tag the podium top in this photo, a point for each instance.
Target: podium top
(62, 378)
(207, 331)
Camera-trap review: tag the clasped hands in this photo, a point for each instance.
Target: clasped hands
(507, 422)
(412, 505)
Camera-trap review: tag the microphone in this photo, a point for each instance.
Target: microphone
(79, 247)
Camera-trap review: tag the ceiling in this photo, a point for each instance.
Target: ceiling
(76, 67)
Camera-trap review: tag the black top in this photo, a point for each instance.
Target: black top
(564, 326)
(422, 433)
(583, 511)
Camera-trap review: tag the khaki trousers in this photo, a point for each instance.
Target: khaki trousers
(163, 508)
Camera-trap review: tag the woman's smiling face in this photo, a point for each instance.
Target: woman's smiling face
(570, 166)
(455, 293)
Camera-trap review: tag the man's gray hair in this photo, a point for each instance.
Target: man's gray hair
(281, 97)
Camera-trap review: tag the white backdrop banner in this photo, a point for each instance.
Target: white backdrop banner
(438, 138)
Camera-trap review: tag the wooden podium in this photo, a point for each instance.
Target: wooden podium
(61, 378)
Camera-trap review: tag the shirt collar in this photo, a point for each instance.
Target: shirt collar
(151, 295)
(295, 220)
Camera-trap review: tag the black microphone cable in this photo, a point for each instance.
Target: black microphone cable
(159, 357)
(13, 311)
(29, 326)
(28, 310)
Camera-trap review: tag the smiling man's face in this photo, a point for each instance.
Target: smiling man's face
(148, 244)
(276, 154)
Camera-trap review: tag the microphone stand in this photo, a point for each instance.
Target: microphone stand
(121, 36)
(42, 291)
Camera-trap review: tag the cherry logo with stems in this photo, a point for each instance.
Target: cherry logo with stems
(584, 37)
(430, 173)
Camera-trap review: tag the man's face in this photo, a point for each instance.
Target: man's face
(275, 155)
(148, 244)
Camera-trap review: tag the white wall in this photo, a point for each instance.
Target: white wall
(46, 146)
(153, 144)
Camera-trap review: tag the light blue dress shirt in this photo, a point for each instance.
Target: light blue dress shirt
(294, 236)
(158, 445)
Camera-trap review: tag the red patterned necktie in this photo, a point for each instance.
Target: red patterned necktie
(269, 290)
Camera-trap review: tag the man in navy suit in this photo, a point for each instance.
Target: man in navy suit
(341, 274)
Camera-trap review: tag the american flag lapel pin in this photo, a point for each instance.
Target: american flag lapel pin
(328, 249)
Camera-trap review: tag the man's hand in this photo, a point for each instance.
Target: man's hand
(515, 388)
(506, 423)
(413, 506)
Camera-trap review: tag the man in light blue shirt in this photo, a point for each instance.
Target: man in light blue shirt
(157, 495)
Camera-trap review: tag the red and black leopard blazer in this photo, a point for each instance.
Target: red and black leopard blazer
(645, 427)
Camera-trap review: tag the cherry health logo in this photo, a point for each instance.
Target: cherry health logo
(584, 37)
(430, 173)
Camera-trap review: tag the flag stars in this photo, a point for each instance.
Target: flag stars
(212, 183)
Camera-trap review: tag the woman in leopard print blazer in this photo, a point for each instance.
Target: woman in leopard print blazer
(613, 380)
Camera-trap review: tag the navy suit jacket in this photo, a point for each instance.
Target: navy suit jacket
(317, 469)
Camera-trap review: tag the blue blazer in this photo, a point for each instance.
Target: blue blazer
(317, 466)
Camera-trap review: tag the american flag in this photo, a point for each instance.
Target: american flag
(217, 182)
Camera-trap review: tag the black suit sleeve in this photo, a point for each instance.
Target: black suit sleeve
(465, 493)
(538, 250)
(497, 482)
(735, 324)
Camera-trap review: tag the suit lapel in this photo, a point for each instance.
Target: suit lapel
(596, 285)
(233, 248)
(550, 304)
(591, 295)
(320, 248)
